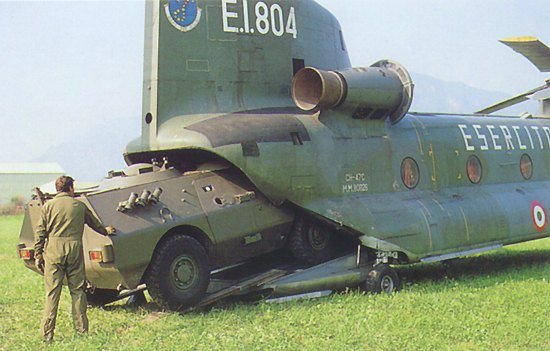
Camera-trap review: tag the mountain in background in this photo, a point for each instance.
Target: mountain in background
(434, 95)
(89, 156)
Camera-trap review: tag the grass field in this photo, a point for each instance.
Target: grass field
(496, 301)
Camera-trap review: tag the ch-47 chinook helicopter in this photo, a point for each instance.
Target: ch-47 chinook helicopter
(271, 139)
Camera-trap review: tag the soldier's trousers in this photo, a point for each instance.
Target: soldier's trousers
(54, 273)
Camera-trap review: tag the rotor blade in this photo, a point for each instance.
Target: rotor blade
(512, 101)
(503, 104)
(533, 49)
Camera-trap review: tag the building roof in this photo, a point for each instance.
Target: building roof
(31, 168)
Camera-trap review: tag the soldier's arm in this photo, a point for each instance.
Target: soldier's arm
(93, 222)
(41, 233)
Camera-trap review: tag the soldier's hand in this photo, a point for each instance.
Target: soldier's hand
(39, 262)
(110, 230)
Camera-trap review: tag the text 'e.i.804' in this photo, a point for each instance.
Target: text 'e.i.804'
(259, 18)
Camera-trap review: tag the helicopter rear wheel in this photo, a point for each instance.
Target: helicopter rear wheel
(382, 279)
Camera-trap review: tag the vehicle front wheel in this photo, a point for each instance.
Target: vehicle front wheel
(179, 273)
(382, 279)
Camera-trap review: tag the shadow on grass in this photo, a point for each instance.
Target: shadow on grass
(122, 306)
(496, 267)
(153, 309)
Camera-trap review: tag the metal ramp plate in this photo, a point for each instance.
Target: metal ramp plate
(240, 287)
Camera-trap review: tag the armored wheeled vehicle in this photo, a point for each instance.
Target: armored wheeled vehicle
(169, 227)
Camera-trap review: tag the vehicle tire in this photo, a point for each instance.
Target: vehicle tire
(382, 279)
(101, 297)
(311, 242)
(179, 273)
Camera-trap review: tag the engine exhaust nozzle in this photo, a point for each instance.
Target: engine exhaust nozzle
(382, 90)
(313, 88)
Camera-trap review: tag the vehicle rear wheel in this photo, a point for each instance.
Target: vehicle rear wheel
(179, 273)
(101, 297)
(311, 242)
(382, 279)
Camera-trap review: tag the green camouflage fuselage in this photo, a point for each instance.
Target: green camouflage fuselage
(222, 90)
(217, 102)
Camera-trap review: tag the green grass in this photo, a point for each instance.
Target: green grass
(496, 301)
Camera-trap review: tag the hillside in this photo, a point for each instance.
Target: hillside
(89, 154)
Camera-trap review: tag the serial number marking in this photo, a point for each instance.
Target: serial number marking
(503, 137)
(265, 19)
(355, 188)
(359, 183)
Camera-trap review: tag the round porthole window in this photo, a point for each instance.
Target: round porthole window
(474, 170)
(526, 166)
(410, 175)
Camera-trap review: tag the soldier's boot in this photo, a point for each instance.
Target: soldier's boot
(48, 338)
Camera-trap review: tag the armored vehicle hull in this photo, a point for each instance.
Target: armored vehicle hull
(159, 212)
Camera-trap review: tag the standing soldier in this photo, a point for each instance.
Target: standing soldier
(59, 253)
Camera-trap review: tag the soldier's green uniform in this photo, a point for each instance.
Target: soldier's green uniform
(59, 239)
